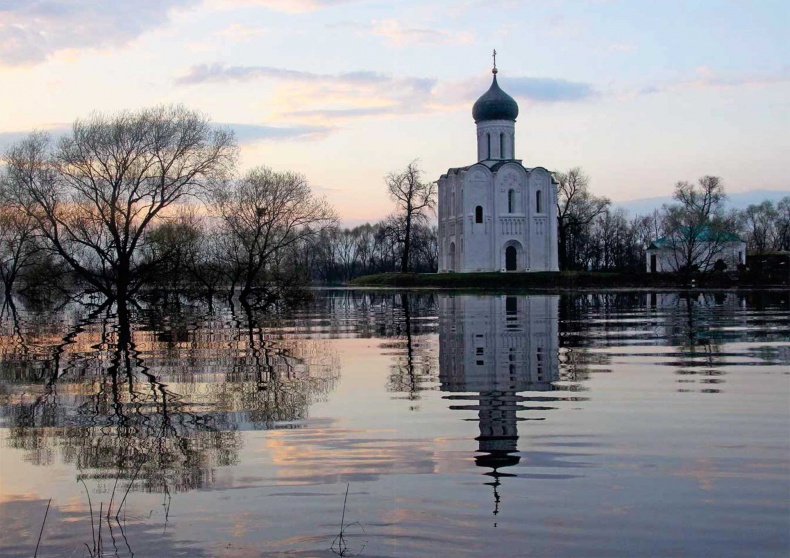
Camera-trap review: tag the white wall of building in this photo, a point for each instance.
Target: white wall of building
(668, 260)
(508, 216)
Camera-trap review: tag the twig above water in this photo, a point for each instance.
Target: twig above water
(339, 545)
(42, 528)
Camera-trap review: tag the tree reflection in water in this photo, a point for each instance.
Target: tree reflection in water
(159, 400)
(687, 328)
(414, 364)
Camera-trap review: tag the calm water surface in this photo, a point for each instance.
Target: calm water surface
(580, 425)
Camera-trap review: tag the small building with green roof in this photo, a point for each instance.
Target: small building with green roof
(701, 248)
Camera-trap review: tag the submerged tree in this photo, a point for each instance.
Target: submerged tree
(97, 191)
(19, 244)
(262, 215)
(172, 246)
(414, 199)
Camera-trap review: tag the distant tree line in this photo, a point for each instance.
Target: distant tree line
(595, 236)
(152, 198)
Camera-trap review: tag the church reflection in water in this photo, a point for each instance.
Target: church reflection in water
(491, 351)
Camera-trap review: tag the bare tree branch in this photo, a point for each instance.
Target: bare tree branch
(413, 199)
(96, 192)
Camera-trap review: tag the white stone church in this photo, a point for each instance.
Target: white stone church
(497, 214)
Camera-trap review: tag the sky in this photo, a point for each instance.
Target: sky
(640, 94)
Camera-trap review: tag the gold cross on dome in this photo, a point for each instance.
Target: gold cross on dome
(494, 58)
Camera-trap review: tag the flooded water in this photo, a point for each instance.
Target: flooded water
(393, 424)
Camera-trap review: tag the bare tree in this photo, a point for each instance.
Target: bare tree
(206, 261)
(347, 253)
(644, 229)
(425, 249)
(96, 192)
(414, 199)
(262, 214)
(611, 240)
(19, 244)
(365, 236)
(696, 228)
(173, 244)
(759, 222)
(766, 226)
(782, 241)
(576, 209)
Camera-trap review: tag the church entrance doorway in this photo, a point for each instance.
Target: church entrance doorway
(511, 258)
(653, 262)
(452, 256)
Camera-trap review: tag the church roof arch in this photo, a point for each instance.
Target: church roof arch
(506, 165)
(478, 173)
(511, 175)
(547, 171)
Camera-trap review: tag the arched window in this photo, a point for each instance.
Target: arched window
(511, 201)
(502, 145)
(452, 202)
(488, 139)
(538, 202)
(479, 214)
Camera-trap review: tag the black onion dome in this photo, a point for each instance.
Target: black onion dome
(495, 104)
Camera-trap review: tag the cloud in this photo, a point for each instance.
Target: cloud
(245, 133)
(523, 88)
(331, 114)
(7, 139)
(288, 6)
(33, 30)
(328, 99)
(318, 98)
(238, 32)
(707, 79)
(343, 25)
(219, 73)
(533, 89)
(548, 90)
(253, 133)
(398, 35)
(650, 89)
